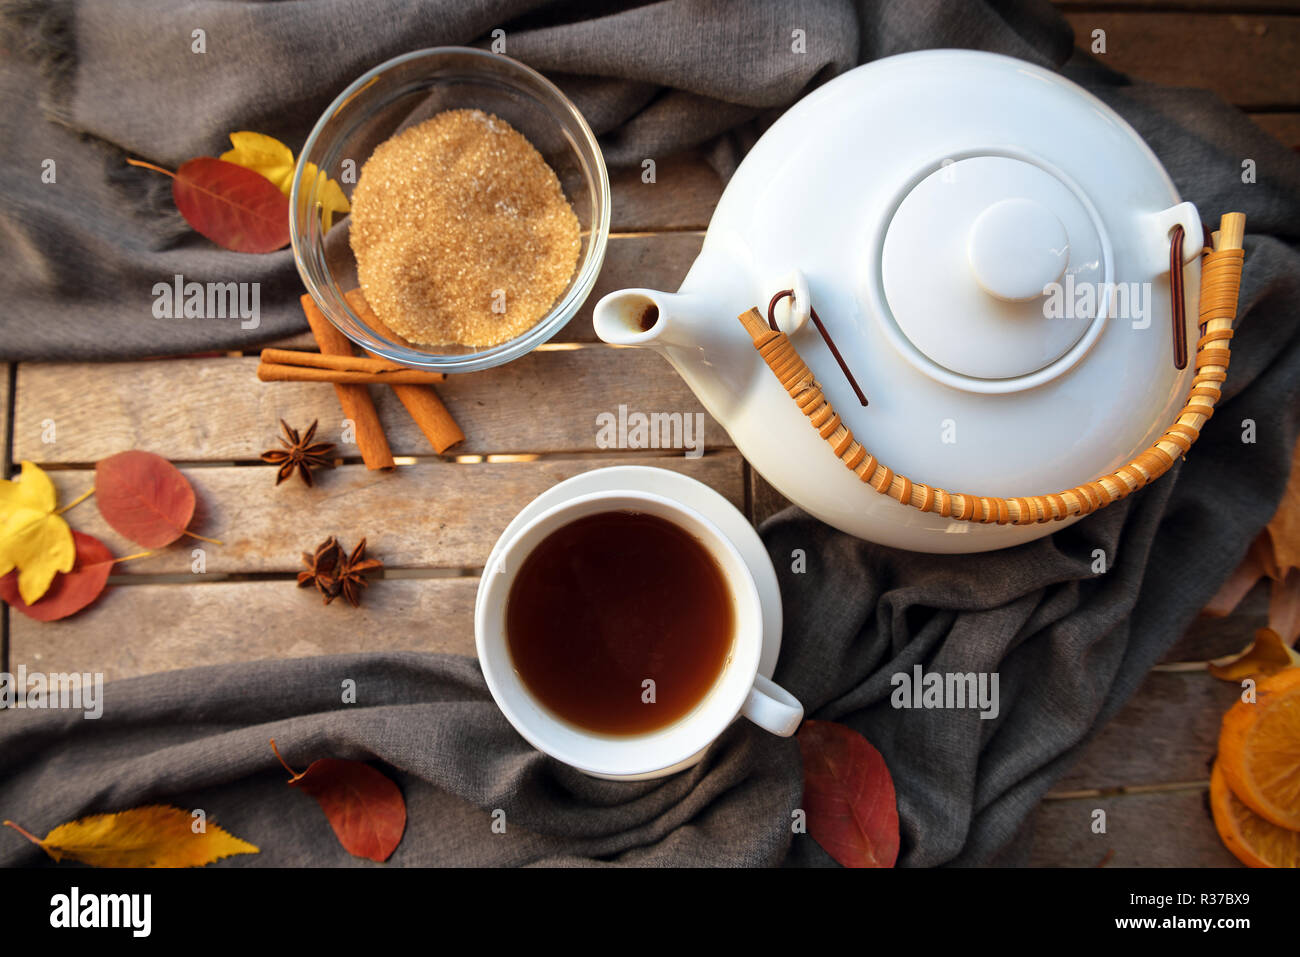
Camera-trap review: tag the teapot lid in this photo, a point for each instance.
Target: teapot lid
(971, 251)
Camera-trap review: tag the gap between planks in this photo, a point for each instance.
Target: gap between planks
(1124, 789)
(625, 457)
(388, 573)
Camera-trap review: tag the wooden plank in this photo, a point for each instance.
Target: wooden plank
(683, 195)
(427, 515)
(140, 629)
(654, 261)
(1168, 829)
(1284, 127)
(1167, 733)
(764, 500)
(6, 371)
(1249, 60)
(204, 410)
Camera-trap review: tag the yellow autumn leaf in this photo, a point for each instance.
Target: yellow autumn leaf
(1266, 655)
(151, 836)
(330, 195)
(268, 156)
(262, 154)
(33, 538)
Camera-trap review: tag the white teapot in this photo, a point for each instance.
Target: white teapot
(988, 247)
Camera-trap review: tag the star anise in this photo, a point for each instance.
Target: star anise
(351, 573)
(322, 568)
(299, 453)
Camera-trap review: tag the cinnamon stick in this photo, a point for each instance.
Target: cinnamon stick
(317, 360)
(423, 403)
(279, 372)
(433, 418)
(355, 399)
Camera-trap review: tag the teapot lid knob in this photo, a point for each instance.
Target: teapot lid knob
(1017, 247)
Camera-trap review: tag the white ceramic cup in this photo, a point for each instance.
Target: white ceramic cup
(738, 689)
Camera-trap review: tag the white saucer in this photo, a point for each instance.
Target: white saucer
(693, 494)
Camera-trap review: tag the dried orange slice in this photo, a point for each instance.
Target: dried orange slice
(1259, 749)
(1254, 841)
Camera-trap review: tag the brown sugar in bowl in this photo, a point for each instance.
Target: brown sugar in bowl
(461, 231)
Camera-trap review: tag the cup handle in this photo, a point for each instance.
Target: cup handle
(772, 708)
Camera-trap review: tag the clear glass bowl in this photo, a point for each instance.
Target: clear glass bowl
(404, 91)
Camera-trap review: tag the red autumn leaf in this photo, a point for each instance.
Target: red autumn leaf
(364, 806)
(69, 592)
(144, 497)
(234, 207)
(848, 796)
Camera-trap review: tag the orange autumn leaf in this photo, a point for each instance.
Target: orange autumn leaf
(1266, 655)
(151, 836)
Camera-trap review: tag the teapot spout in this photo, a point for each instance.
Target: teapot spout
(691, 330)
(646, 317)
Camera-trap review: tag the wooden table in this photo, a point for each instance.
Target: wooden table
(433, 519)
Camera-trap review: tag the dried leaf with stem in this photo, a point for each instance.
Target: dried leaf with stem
(364, 806)
(150, 836)
(237, 208)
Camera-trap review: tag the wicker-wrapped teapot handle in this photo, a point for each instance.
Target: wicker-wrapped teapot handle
(1220, 281)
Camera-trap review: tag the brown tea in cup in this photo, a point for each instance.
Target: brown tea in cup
(619, 622)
